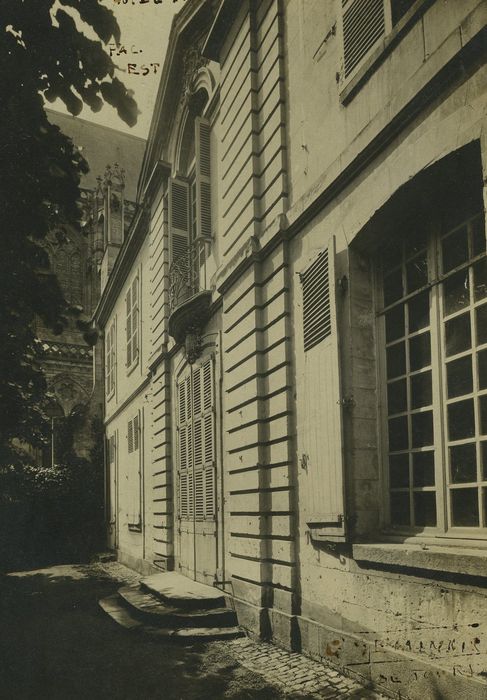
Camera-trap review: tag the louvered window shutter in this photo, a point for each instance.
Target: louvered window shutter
(114, 352)
(108, 359)
(208, 436)
(130, 437)
(136, 430)
(322, 429)
(135, 318)
(128, 302)
(185, 447)
(178, 218)
(112, 478)
(203, 181)
(364, 23)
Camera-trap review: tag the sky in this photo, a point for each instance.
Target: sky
(145, 29)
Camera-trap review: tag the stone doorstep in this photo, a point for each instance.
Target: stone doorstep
(179, 591)
(125, 617)
(147, 606)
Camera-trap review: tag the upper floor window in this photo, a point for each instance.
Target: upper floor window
(190, 221)
(433, 286)
(132, 322)
(365, 23)
(110, 350)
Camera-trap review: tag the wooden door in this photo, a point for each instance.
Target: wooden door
(197, 523)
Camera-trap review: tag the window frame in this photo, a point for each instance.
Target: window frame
(443, 530)
(135, 328)
(110, 359)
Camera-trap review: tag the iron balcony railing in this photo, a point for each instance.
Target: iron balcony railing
(188, 274)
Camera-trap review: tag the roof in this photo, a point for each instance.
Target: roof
(102, 146)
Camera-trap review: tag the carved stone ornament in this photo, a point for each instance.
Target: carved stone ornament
(192, 62)
(192, 344)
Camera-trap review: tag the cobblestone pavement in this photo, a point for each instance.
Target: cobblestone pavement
(294, 674)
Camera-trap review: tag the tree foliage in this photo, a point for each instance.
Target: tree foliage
(43, 55)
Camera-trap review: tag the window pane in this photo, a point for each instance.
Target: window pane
(425, 509)
(482, 365)
(391, 257)
(457, 334)
(483, 414)
(398, 434)
(483, 457)
(395, 323)
(480, 279)
(397, 397)
(417, 273)
(399, 471)
(463, 463)
(481, 314)
(465, 507)
(456, 294)
(419, 351)
(422, 429)
(459, 377)
(424, 468)
(421, 394)
(396, 360)
(461, 422)
(478, 235)
(392, 287)
(455, 249)
(419, 312)
(416, 240)
(400, 509)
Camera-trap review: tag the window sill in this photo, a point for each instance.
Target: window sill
(469, 562)
(351, 86)
(130, 368)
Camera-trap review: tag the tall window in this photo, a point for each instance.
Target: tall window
(132, 325)
(434, 329)
(364, 23)
(110, 359)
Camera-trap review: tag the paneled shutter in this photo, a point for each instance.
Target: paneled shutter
(134, 468)
(322, 430)
(178, 217)
(135, 318)
(108, 361)
(203, 181)
(128, 304)
(363, 25)
(112, 478)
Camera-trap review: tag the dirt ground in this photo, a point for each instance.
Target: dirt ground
(56, 643)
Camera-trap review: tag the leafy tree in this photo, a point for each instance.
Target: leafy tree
(43, 54)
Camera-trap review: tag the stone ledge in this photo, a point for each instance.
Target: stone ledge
(469, 562)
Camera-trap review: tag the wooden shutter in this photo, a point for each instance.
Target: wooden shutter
(203, 181)
(322, 458)
(130, 437)
(112, 479)
(206, 420)
(363, 25)
(135, 318)
(178, 217)
(128, 305)
(134, 471)
(108, 361)
(185, 449)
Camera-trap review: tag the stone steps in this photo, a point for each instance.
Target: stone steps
(152, 609)
(171, 606)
